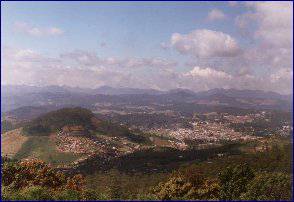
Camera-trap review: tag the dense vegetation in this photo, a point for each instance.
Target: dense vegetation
(239, 182)
(258, 176)
(251, 176)
(35, 180)
(55, 120)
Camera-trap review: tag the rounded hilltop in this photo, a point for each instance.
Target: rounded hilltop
(75, 120)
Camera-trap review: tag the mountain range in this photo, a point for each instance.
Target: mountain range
(14, 97)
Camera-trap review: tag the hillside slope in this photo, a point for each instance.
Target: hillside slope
(67, 135)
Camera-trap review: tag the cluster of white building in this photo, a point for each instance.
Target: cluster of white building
(74, 144)
(206, 132)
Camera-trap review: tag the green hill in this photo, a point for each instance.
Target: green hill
(56, 120)
(42, 147)
(41, 140)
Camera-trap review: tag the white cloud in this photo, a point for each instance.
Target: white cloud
(54, 31)
(30, 68)
(205, 78)
(276, 25)
(37, 31)
(205, 43)
(274, 22)
(80, 68)
(270, 27)
(86, 69)
(208, 73)
(85, 58)
(149, 62)
(164, 46)
(216, 14)
(282, 74)
(245, 23)
(282, 80)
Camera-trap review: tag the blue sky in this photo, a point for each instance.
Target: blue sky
(127, 28)
(123, 30)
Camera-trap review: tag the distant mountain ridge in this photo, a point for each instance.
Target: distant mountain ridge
(14, 97)
(245, 93)
(105, 90)
(108, 90)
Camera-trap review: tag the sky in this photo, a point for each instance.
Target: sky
(159, 45)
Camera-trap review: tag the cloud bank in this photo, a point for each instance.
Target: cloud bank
(205, 43)
(30, 30)
(211, 58)
(216, 14)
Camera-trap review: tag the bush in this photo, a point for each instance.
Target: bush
(36, 193)
(28, 193)
(18, 175)
(269, 186)
(146, 197)
(188, 186)
(35, 180)
(9, 194)
(233, 181)
(90, 194)
(42, 193)
(174, 188)
(68, 194)
(75, 183)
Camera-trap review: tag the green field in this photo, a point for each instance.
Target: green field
(43, 148)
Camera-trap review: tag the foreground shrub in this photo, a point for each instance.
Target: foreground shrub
(68, 194)
(36, 180)
(19, 175)
(234, 180)
(269, 186)
(187, 185)
(36, 193)
(31, 172)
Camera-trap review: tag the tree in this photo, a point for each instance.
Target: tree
(36, 193)
(68, 194)
(269, 186)
(233, 181)
(31, 172)
(115, 188)
(36, 180)
(76, 183)
(19, 175)
(188, 184)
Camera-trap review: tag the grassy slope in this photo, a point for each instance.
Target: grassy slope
(43, 147)
(11, 142)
